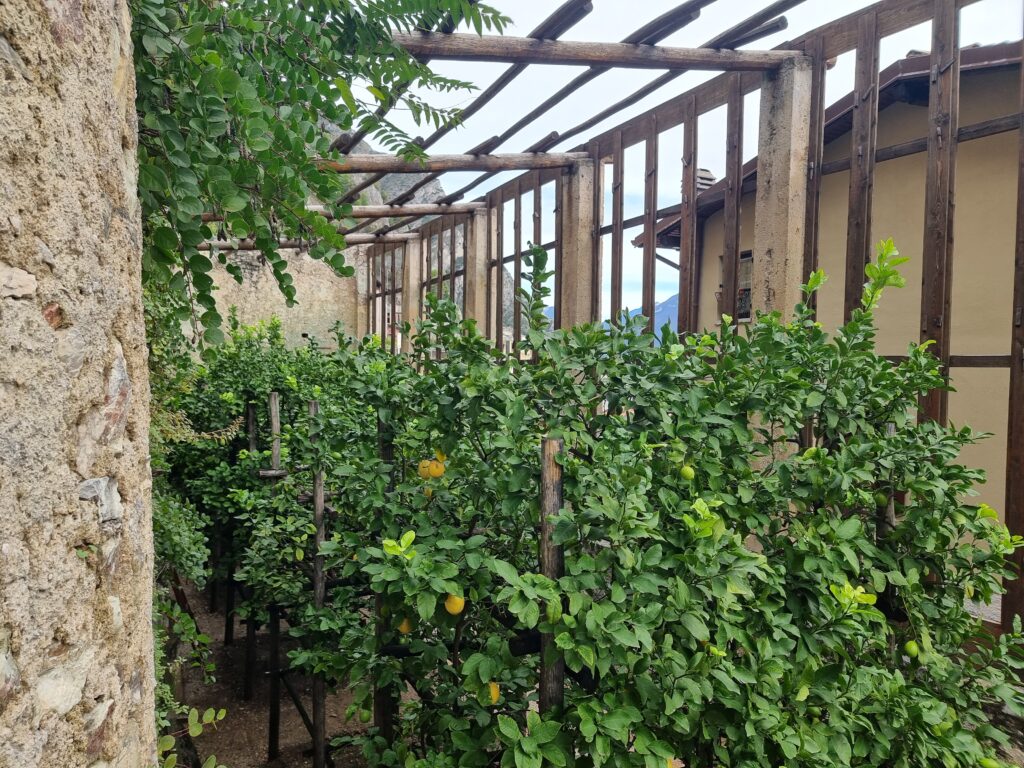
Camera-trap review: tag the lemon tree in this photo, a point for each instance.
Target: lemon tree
(735, 594)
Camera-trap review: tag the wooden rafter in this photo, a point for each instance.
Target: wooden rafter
(505, 162)
(524, 49)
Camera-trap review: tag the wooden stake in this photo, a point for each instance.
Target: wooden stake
(526, 50)
(687, 320)
(274, 406)
(274, 670)
(319, 591)
(384, 700)
(733, 198)
(552, 565)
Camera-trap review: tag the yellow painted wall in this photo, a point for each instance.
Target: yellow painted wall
(984, 230)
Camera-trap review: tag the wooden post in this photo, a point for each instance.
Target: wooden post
(937, 253)
(552, 565)
(517, 264)
(385, 703)
(274, 406)
(578, 230)
(781, 206)
(618, 201)
(815, 154)
(650, 219)
(688, 290)
(319, 591)
(1013, 600)
(733, 197)
(862, 160)
(412, 309)
(499, 292)
(274, 671)
(475, 269)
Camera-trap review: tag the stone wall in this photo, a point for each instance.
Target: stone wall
(322, 297)
(76, 648)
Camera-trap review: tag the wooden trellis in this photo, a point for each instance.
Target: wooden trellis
(792, 96)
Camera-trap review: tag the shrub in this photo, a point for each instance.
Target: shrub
(767, 554)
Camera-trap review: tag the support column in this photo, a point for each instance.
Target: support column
(578, 233)
(412, 310)
(475, 284)
(782, 187)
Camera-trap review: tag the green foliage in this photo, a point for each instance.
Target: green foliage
(196, 724)
(734, 595)
(234, 101)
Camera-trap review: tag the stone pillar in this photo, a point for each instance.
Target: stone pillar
(579, 230)
(476, 269)
(781, 187)
(76, 550)
(412, 310)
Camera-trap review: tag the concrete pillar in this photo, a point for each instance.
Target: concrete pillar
(412, 310)
(76, 549)
(781, 187)
(476, 269)
(579, 230)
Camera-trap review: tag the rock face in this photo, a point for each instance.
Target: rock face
(76, 556)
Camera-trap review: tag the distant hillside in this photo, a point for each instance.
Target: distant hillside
(666, 311)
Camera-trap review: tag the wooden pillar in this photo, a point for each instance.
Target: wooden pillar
(937, 253)
(274, 671)
(1013, 600)
(781, 187)
(412, 309)
(688, 254)
(864, 141)
(475, 282)
(732, 208)
(815, 153)
(579, 230)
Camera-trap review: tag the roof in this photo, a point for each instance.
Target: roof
(906, 81)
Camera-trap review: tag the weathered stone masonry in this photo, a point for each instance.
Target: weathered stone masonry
(76, 664)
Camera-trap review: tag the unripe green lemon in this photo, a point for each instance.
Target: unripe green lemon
(989, 762)
(881, 499)
(687, 472)
(365, 716)
(912, 649)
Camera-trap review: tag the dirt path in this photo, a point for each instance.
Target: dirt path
(240, 740)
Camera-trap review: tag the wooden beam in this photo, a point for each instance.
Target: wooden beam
(469, 47)
(522, 161)
(416, 209)
(358, 239)
(862, 173)
(1013, 600)
(937, 253)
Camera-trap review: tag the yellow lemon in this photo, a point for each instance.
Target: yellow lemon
(436, 469)
(423, 470)
(454, 604)
(406, 626)
(495, 690)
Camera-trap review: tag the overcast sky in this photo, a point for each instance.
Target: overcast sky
(984, 22)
